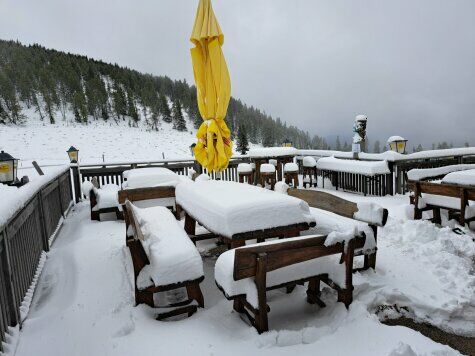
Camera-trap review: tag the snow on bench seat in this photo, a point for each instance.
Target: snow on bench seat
(367, 168)
(224, 268)
(173, 257)
(424, 173)
(150, 177)
(466, 177)
(229, 208)
(446, 202)
(107, 197)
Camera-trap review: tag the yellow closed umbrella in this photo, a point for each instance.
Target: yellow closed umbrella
(213, 85)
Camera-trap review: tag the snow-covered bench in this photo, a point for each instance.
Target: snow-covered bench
(164, 260)
(457, 199)
(246, 273)
(335, 214)
(105, 200)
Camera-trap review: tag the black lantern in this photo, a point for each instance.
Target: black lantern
(192, 149)
(8, 168)
(73, 154)
(287, 143)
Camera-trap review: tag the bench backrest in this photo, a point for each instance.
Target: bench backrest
(444, 189)
(285, 253)
(138, 194)
(332, 203)
(132, 220)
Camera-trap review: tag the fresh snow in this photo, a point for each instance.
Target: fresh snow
(424, 173)
(149, 177)
(291, 167)
(107, 197)
(244, 168)
(369, 212)
(369, 168)
(273, 152)
(173, 257)
(309, 161)
(463, 177)
(267, 168)
(229, 208)
(396, 138)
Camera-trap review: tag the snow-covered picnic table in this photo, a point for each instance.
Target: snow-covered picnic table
(367, 168)
(237, 212)
(150, 177)
(461, 177)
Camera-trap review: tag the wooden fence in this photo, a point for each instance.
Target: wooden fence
(113, 172)
(23, 239)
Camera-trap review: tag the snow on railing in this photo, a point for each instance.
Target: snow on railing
(367, 168)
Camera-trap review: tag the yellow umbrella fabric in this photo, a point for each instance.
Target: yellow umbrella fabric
(214, 147)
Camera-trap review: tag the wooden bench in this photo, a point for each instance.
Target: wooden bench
(142, 194)
(140, 260)
(462, 193)
(345, 208)
(96, 213)
(271, 265)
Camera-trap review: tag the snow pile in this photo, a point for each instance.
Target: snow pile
(225, 266)
(107, 197)
(291, 167)
(13, 198)
(86, 188)
(368, 168)
(173, 257)
(309, 161)
(426, 269)
(244, 168)
(229, 208)
(267, 168)
(281, 187)
(273, 152)
(335, 237)
(150, 177)
(463, 177)
(369, 212)
(424, 173)
(202, 177)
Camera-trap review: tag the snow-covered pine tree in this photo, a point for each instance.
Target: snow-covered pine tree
(377, 147)
(242, 142)
(164, 108)
(179, 122)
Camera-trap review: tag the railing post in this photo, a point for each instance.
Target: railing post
(8, 276)
(44, 233)
(76, 183)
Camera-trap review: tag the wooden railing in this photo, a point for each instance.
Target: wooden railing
(378, 185)
(23, 238)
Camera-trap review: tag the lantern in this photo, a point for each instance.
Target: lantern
(8, 168)
(287, 143)
(73, 154)
(397, 144)
(192, 149)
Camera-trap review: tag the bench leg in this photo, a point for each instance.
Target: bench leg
(95, 215)
(262, 323)
(190, 225)
(436, 219)
(313, 292)
(194, 292)
(144, 298)
(345, 295)
(238, 305)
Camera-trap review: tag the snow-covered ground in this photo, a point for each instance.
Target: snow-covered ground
(84, 300)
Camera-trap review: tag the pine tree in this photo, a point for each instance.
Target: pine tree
(179, 122)
(377, 147)
(338, 144)
(131, 109)
(242, 142)
(164, 108)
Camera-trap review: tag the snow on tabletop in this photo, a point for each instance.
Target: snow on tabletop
(244, 168)
(150, 177)
(423, 173)
(291, 167)
(369, 212)
(309, 161)
(267, 168)
(229, 208)
(12, 198)
(462, 178)
(173, 257)
(369, 168)
(273, 152)
(107, 197)
(224, 267)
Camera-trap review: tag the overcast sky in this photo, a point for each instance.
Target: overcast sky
(409, 65)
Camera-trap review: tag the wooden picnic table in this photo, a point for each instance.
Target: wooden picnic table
(281, 161)
(236, 212)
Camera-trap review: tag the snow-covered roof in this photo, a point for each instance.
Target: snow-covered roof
(273, 152)
(369, 168)
(396, 138)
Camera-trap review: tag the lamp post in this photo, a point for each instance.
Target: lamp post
(287, 143)
(8, 169)
(397, 144)
(73, 154)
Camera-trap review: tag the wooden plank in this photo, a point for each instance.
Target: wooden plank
(325, 201)
(146, 193)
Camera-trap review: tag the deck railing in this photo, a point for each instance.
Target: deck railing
(23, 239)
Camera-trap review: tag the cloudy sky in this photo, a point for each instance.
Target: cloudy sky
(407, 64)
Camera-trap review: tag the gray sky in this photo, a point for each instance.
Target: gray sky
(408, 65)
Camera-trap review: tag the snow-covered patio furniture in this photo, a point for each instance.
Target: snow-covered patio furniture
(236, 212)
(309, 167)
(168, 268)
(335, 214)
(455, 193)
(246, 273)
(245, 173)
(291, 173)
(263, 155)
(105, 200)
(267, 175)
